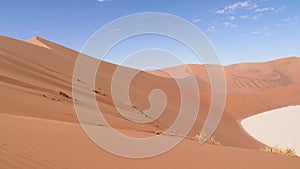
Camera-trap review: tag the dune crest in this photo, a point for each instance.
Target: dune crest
(36, 41)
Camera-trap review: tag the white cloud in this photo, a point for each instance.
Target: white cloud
(34, 32)
(254, 6)
(270, 9)
(265, 9)
(231, 8)
(114, 30)
(226, 24)
(103, 1)
(263, 31)
(231, 18)
(255, 17)
(211, 29)
(282, 8)
(287, 21)
(196, 20)
(229, 24)
(245, 16)
(260, 31)
(290, 20)
(242, 35)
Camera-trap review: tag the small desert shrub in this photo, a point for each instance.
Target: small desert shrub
(287, 152)
(214, 141)
(203, 136)
(290, 152)
(64, 95)
(134, 107)
(139, 110)
(158, 133)
(99, 92)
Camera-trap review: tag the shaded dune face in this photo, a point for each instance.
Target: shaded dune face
(141, 87)
(36, 82)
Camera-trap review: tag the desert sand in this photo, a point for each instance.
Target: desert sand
(40, 129)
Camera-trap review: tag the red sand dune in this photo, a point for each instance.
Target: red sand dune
(39, 127)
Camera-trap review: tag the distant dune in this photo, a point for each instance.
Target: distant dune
(39, 127)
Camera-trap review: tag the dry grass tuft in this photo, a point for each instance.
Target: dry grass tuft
(287, 152)
(203, 137)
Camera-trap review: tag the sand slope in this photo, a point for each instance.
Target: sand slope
(32, 77)
(36, 143)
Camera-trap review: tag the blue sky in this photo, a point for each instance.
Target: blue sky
(241, 31)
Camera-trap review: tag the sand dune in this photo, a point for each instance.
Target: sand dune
(37, 143)
(36, 78)
(37, 41)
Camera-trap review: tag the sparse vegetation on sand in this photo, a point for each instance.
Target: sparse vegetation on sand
(287, 152)
(136, 108)
(139, 110)
(203, 137)
(64, 95)
(99, 92)
(214, 141)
